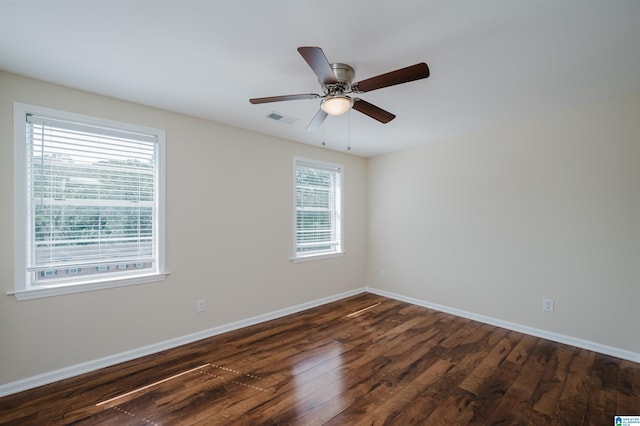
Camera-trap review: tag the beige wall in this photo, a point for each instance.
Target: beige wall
(219, 180)
(494, 222)
(489, 224)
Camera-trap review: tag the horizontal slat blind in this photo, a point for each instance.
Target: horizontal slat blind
(317, 208)
(92, 199)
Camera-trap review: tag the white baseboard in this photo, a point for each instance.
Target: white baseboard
(86, 367)
(560, 338)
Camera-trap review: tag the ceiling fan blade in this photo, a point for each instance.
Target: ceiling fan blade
(372, 111)
(318, 62)
(283, 98)
(403, 75)
(317, 120)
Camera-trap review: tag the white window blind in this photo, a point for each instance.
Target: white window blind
(92, 202)
(318, 191)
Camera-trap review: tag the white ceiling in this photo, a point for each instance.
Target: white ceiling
(491, 61)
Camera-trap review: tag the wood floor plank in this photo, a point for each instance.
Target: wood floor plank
(363, 360)
(380, 383)
(405, 395)
(443, 410)
(471, 349)
(572, 402)
(510, 409)
(473, 382)
(601, 406)
(521, 352)
(469, 328)
(489, 394)
(368, 357)
(628, 401)
(547, 394)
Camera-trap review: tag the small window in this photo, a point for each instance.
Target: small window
(89, 197)
(318, 205)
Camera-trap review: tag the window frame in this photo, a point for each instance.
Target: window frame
(339, 226)
(23, 287)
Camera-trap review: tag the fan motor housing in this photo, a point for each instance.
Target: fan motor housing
(344, 73)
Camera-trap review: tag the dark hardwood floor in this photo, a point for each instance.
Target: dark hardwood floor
(359, 361)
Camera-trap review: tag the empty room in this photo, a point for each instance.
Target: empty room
(302, 213)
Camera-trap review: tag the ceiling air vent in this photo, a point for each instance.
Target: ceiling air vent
(285, 119)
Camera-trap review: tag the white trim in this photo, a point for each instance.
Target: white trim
(91, 286)
(548, 335)
(21, 289)
(86, 367)
(316, 257)
(333, 167)
(19, 205)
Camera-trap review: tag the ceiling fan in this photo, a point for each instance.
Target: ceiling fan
(336, 80)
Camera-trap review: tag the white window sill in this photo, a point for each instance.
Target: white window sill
(313, 257)
(91, 286)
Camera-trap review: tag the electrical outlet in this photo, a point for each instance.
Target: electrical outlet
(547, 305)
(201, 305)
(381, 273)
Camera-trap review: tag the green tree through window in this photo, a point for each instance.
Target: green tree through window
(93, 203)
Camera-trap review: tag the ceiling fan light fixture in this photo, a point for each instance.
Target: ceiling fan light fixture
(336, 105)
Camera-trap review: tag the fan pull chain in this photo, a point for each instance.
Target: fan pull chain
(349, 131)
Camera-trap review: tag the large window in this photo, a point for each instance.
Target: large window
(318, 201)
(89, 209)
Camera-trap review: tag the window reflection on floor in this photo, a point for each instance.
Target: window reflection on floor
(319, 378)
